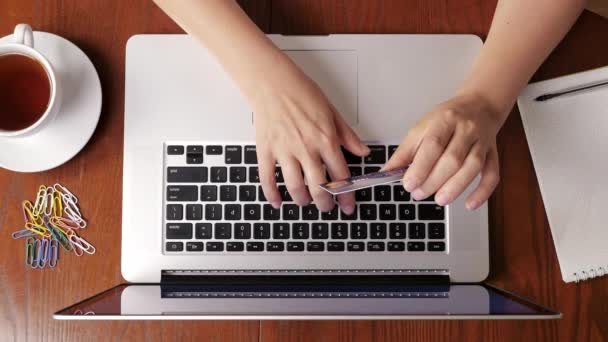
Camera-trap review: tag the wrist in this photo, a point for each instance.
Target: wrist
(497, 104)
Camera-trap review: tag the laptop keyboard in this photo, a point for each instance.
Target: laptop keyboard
(214, 203)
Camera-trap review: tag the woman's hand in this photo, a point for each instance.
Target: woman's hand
(299, 128)
(448, 148)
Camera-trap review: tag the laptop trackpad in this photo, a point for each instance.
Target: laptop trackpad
(336, 73)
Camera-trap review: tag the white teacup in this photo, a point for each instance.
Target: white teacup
(24, 45)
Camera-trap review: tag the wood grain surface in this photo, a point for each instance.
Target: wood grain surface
(522, 254)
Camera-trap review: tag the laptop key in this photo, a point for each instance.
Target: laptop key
(271, 213)
(294, 246)
(194, 212)
(355, 246)
(238, 174)
(215, 246)
(416, 230)
(339, 230)
(350, 158)
(174, 246)
(280, 231)
(377, 230)
(331, 215)
(368, 212)
(377, 155)
(261, 196)
(203, 231)
(209, 193)
(407, 212)
(254, 174)
(232, 212)
(285, 196)
(182, 193)
(315, 246)
(436, 231)
(430, 212)
(242, 231)
(235, 246)
(197, 149)
(233, 155)
(310, 213)
(247, 193)
(375, 246)
(213, 212)
(355, 171)
(222, 231)
(388, 212)
(291, 212)
(396, 230)
(363, 195)
(251, 156)
(194, 158)
(382, 193)
(415, 246)
(218, 174)
(187, 174)
(214, 150)
(255, 246)
(335, 246)
(400, 194)
(278, 175)
(351, 217)
(228, 193)
(358, 230)
(175, 212)
(320, 230)
(391, 150)
(300, 230)
(252, 212)
(371, 169)
(194, 246)
(436, 246)
(393, 246)
(261, 231)
(179, 230)
(175, 150)
(275, 246)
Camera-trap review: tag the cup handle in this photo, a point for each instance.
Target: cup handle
(24, 35)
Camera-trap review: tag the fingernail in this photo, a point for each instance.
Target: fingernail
(441, 199)
(276, 204)
(348, 210)
(418, 194)
(409, 184)
(472, 205)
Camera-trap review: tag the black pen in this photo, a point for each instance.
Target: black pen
(571, 91)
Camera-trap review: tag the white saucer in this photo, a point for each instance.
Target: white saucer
(75, 123)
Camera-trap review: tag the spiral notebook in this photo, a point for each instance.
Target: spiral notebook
(568, 139)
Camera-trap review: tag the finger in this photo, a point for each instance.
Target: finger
(458, 183)
(431, 148)
(349, 139)
(490, 177)
(337, 169)
(448, 164)
(315, 175)
(294, 180)
(404, 154)
(266, 169)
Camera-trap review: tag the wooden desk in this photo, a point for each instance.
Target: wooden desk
(523, 257)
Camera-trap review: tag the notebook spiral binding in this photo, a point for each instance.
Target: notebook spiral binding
(591, 273)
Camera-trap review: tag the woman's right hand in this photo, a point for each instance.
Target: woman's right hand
(300, 129)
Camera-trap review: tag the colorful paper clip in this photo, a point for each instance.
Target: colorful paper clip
(23, 233)
(52, 221)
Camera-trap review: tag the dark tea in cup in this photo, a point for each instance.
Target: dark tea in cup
(25, 91)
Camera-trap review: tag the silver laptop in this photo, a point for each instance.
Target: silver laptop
(199, 240)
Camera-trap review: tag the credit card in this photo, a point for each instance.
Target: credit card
(363, 181)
